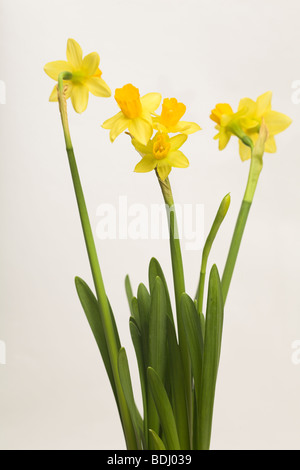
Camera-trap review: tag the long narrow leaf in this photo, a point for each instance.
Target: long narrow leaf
(157, 443)
(91, 308)
(155, 271)
(211, 357)
(129, 397)
(164, 410)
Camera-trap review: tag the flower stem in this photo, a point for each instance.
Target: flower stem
(255, 169)
(179, 288)
(95, 268)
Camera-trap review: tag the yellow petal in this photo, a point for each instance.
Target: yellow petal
(53, 69)
(224, 138)
(151, 101)
(98, 87)
(248, 105)
(74, 53)
(270, 146)
(163, 170)
(276, 122)
(91, 63)
(185, 127)
(118, 127)
(177, 141)
(80, 98)
(245, 151)
(145, 165)
(68, 91)
(53, 97)
(140, 129)
(143, 150)
(264, 103)
(111, 121)
(178, 159)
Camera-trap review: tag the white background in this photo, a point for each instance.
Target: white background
(54, 393)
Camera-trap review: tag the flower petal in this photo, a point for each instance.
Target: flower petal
(68, 90)
(224, 138)
(91, 63)
(118, 127)
(53, 69)
(143, 150)
(145, 165)
(80, 98)
(245, 151)
(98, 87)
(270, 146)
(140, 129)
(178, 159)
(264, 103)
(111, 121)
(177, 141)
(151, 101)
(163, 170)
(185, 127)
(53, 97)
(74, 53)
(276, 122)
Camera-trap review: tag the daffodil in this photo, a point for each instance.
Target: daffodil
(169, 120)
(86, 76)
(161, 153)
(135, 114)
(229, 123)
(257, 112)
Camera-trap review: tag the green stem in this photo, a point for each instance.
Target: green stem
(95, 268)
(179, 288)
(255, 170)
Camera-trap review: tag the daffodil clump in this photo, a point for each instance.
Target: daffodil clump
(177, 350)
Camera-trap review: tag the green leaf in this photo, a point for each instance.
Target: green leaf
(157, 344)
(194, 336)
(164, 410)
(144, 303)
(157, 443)
(125, 380)
(128, 290)
(211, 357)
(155, 271)
(175, 376)
(135, 312)
(158, 329)
(137, 343)
(91, 308)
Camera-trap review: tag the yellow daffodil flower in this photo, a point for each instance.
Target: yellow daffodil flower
(229, 123)
(256, 113)
(161, 153)
(86, 76)
(169, 120)
(135, 114)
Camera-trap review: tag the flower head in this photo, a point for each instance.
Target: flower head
(169, 120)
(161, 153)
(257, 112)
(86, 76)
(228, 123)
(135, 114)
(246, 123)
